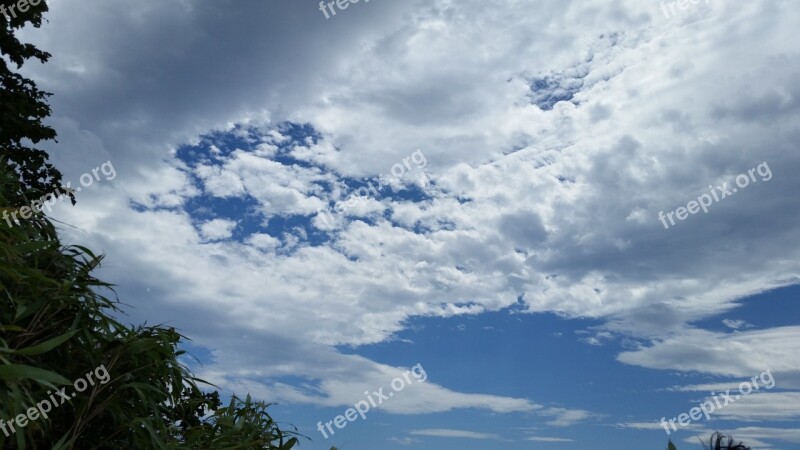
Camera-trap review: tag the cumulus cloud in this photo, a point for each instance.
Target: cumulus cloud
(217, 229)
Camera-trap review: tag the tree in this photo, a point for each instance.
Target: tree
(717, 442)
(23, 106)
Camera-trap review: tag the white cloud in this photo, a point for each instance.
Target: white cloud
(741, 354)
(708, 387)
(404, 440)
(655, 425)
(736, 324)
(217, 229)
(782, 434)
(555, 201)
(440, 432)
(263, 241)
(763, 406)
(547, 439)
(565, 417)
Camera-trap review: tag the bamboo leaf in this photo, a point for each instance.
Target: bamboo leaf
(46, 346)
(20, 371)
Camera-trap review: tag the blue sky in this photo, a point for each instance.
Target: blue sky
(469, 188)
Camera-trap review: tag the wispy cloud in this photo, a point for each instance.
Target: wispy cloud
(547, 439)
(442, 432)
(736, 324)
(565, 417)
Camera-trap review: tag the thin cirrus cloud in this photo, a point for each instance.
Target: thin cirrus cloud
(454, 434)
(547, 439)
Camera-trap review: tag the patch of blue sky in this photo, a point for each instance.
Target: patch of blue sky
(214, 148)
(548, 90)
(776, 308)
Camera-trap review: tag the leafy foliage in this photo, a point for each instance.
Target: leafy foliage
(55, 326)
(23, 106)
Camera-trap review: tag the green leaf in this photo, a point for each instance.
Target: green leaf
(671, 446)
(63, 443)
(289, 444)
(21, 371)
(46, 346)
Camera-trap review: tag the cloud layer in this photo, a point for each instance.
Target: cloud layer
(553, 140)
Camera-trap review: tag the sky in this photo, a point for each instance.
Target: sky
(483, 224)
